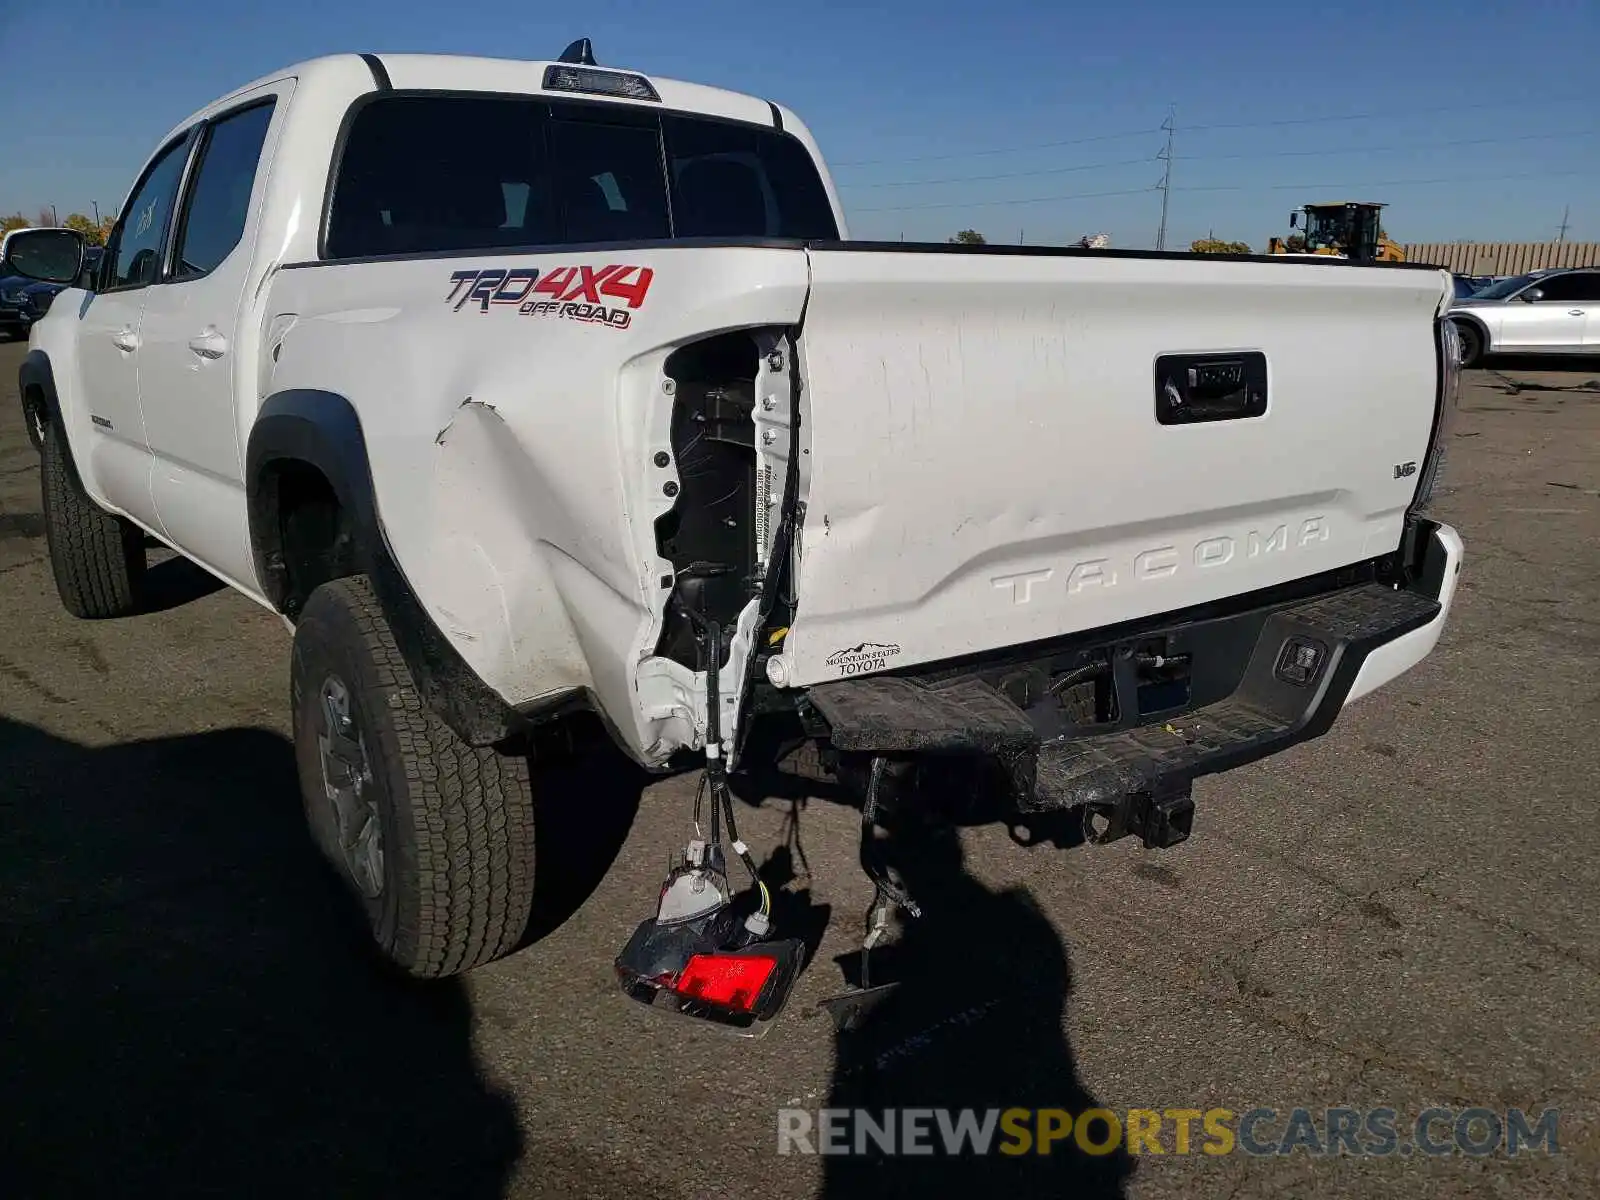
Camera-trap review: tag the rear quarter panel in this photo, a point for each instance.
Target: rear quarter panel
(511, 451)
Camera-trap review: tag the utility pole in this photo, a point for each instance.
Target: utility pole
(53, 220)
(1166, 176)
(96, 205)
(1561, 235)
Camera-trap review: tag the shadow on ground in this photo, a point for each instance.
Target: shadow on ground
(190, 1005)
(175, 581)
(1580, 368)
(976, 1023)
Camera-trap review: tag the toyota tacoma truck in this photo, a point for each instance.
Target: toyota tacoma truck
(528, 390)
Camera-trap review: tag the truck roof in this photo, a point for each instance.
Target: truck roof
(463, 73)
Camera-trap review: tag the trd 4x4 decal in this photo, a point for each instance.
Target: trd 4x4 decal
(579, 293)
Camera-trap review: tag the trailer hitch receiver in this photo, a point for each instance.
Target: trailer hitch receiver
(1160, 817)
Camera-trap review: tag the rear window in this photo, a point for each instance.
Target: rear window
(429, 173)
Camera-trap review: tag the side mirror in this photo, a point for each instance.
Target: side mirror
(53, 255)
(1294, 219)
(1532, 294)
(89, 272)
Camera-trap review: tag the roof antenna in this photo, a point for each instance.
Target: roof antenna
(580, 52)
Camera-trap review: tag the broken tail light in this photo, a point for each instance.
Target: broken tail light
(740, 989)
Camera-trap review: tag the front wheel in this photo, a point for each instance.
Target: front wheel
(1471, 344)
(433, 836)
(97, 557)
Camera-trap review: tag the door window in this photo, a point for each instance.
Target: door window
(136, 244)
(214, 218)
(1566, 289)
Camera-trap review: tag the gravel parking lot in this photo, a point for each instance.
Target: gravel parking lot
(1401, 914)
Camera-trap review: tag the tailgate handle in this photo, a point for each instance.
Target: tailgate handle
(1191, 388)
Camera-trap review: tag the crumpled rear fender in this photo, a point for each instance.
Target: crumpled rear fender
(512, 454)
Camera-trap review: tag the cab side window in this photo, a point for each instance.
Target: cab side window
(214, 218)
(135, 250)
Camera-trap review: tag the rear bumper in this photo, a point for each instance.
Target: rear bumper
(1441, 570)
(1248, 691)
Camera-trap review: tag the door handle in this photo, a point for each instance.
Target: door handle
(1575, 312)
(209, 344)
(125, 339)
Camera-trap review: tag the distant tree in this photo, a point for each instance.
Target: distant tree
(1295, 243)
(1218, 246)
(970, 237)
(94, 234)
(14, 221)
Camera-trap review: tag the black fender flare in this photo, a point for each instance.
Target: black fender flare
(319, 429)
(1462, 318)
(36, 386)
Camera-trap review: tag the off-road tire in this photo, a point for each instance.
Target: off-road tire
(1471, 343)
(97, 557)
(456, 820)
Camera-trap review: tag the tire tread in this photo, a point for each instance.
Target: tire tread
(470, 811)
(97, 557)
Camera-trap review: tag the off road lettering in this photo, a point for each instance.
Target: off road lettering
(573, 293)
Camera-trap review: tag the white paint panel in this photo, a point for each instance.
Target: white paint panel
(987, 468)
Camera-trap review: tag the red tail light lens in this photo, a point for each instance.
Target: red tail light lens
(731, 980)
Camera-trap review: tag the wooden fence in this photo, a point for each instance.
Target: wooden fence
(1503, 258)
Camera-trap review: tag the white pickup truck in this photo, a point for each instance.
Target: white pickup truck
(521, 389)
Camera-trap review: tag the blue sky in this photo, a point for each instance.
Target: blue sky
(1477, 118)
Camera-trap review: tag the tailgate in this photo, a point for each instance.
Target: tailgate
(988, 468)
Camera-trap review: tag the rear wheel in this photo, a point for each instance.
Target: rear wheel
(434, 837)
(97, 557)
(1471, 343)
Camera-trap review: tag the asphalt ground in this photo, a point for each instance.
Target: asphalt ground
(1402, 914)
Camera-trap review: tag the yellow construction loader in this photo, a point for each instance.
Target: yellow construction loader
(1344, 229)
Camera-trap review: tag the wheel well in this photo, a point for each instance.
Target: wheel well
(1477, 327)
(313, 531)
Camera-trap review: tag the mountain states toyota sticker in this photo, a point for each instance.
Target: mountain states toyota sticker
(862, 659)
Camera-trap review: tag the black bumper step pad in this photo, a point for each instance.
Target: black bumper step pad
(889, 715)
(1273, 707)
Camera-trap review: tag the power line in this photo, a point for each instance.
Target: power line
(1006, 203)
(1121, 162)
(1103, 137)
(1107, 137)
(1274, 187)
(1376, 116)
(1428, 145)
(1376, 183)
(1250, 156)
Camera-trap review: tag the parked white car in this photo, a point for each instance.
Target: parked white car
(1543, 312)
(519, 388)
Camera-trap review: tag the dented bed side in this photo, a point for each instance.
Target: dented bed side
(516, 452)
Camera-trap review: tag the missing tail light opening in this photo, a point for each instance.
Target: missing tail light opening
(713, 517)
